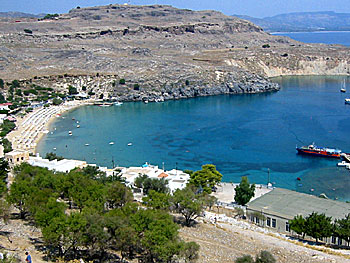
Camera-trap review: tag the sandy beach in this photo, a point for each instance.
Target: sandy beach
(33, 126)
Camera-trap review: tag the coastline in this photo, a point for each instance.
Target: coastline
(31, 128)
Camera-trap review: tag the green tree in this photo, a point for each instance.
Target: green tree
(7, 145)
(56, 101)
(187, 203)
(206, 178)
(15, 83)
(318, 225)
(117, 195)
(159, 241)
(157, 200)
(189, 251)
(297, 224)
(122, 81)
(72, 90)
(147, 184)
(1, 83)
(244, 191)
(94, 235)
(342, 228)
(4, 169)
(53, 156)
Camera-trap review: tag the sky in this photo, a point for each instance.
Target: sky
(255, 8)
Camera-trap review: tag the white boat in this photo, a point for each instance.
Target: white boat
(46, 131)
(347, 101)
(55, 149)
(78, 126)
(342, 164)
(111, 143)
(86, 144)
(70, 133)
(343, 88)
(118, 103)
(129, 144)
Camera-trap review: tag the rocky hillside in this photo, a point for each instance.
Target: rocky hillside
(170, 52)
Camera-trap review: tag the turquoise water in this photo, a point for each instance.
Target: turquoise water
(342, 38)
(240, 134)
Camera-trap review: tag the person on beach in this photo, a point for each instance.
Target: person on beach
(28, 258)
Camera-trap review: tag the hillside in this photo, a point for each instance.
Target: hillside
(303, 21)
(161, 52)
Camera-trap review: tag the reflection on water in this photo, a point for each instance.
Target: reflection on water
(240, 134)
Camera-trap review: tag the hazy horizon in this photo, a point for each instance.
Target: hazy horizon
(255, 8)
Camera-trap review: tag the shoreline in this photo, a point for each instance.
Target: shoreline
(31, 128)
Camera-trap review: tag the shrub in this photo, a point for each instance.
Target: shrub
(136, 87)
(28, 31)
(266, 46)
(56, 101)
(187, 82)
(122, 81)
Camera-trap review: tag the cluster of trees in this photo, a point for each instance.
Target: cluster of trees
(320, 226)
(85, 213)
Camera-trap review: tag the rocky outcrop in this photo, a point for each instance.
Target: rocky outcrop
(157, 50)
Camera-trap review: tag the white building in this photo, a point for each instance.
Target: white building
(177, 179)
(64, 165)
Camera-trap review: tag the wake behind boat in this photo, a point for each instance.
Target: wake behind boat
(312, 149)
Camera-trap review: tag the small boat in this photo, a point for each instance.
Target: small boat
(86, 144)
(343, 89)
(129, 144)
(78, 126)
(342, 164)
(46, 131)
(347, 101)
(77, 122)
(70, 133)
(54, 148)
(145, 101)
(111, 143)
(118, 103)
(312, 149)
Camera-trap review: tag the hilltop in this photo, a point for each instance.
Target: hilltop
(303, 21)
(160, 51)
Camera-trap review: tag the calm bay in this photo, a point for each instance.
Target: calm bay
(241, 134)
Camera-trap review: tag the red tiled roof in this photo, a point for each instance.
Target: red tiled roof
(163, 175)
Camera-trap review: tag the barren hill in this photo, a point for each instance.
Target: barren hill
(159, 48)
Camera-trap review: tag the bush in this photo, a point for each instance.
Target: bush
(7, 145)
(56, 101)
(245, 259)
(1, 83)
(265, 257)
(28, 31)
(50, 16)
(122, 81)
(266, 46)
(136, 87)
(72, 90)
(187, 82)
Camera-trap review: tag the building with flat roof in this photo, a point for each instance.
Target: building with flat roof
(64, 165)
(274, 209)
(16, 157)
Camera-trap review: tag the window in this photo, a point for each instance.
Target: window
(17, 159)
(268, 221)
(339, 241)
(22, 158)
(273, 222)
(287, 227)
(257, 220)
(334, 240)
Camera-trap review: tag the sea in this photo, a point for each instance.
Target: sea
(252, 135)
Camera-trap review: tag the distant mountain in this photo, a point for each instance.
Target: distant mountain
(20, 14)
(303, 21)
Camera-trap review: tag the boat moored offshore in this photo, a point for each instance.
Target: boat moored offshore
(312, 149)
